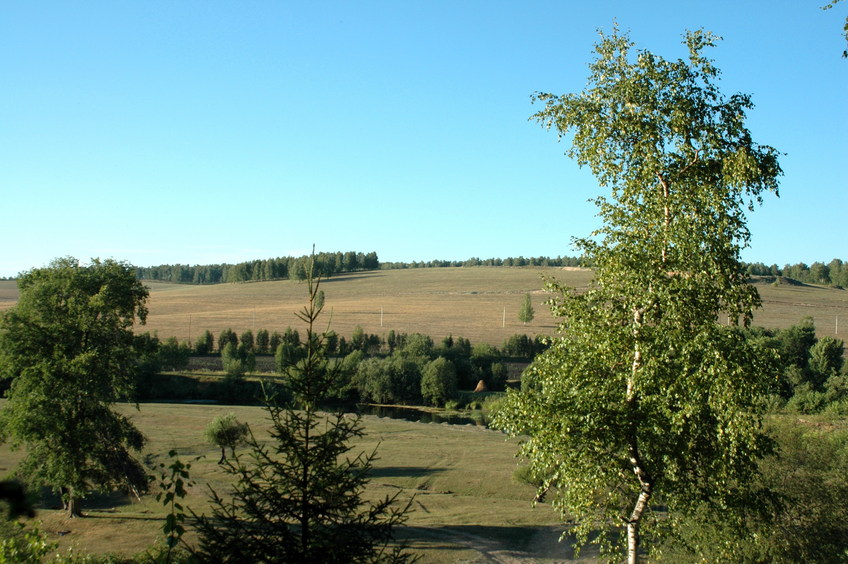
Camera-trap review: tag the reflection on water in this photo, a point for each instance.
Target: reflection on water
(474, 417)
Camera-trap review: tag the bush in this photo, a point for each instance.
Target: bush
(806, 401)
(838, 408)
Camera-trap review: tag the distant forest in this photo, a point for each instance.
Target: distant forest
(326, 264)
(834, 273)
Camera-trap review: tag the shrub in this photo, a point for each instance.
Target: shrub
(806, 401)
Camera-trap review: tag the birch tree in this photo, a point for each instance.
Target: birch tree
(647, 396)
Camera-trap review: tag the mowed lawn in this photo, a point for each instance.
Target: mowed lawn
(466, 507)
(478, 303)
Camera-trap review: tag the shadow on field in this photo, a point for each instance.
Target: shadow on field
(403, 471)
(100, 505)
(345, 278)
(499, 544)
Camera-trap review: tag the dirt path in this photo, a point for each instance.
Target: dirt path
(543, 548)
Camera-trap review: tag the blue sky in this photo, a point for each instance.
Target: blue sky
(201, 132)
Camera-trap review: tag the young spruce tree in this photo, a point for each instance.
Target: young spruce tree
(648, 398)
(299, 498)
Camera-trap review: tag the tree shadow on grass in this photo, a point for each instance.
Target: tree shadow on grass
(499, 543)
(403, 472)
(344, 277)
(97, 502)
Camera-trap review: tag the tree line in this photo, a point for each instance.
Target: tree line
(280, 268)
(558, 261)
(326, 265)
(397, 368)
(834, 273)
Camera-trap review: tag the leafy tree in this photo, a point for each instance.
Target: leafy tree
(233, 361)
(174, 355)
(645, 394)
(248, 356)
(826, 359)
(68, 347)
(291, 337)
(226, 431)
(438, 381)
(300, 498)
(287, 355)
(274, 341)
(247, 340)
(358, 339)
(205, 343)
(227, 336)
(148, 360)
(519, 346)
(263, 341)
(417, 345)
(526, 313)
(395, 379)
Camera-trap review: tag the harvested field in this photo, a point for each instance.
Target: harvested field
(478, 303)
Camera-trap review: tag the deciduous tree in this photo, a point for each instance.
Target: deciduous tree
(68, 348)
(645, 394)
(227, 432)
(526, 313)
(438, 381)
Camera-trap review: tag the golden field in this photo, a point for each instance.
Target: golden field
(478, 303)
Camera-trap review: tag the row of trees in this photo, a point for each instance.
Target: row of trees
(281, 268)
(834, 273)
(390, 369)
(264, 342)
(476, 261)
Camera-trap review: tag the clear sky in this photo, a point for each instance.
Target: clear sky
(203, 132)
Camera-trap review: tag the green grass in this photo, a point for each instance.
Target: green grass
(467, 506)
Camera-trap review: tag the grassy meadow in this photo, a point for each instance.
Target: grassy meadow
(467, 507)
(478, 303)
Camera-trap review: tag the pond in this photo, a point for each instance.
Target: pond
(472, 417)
